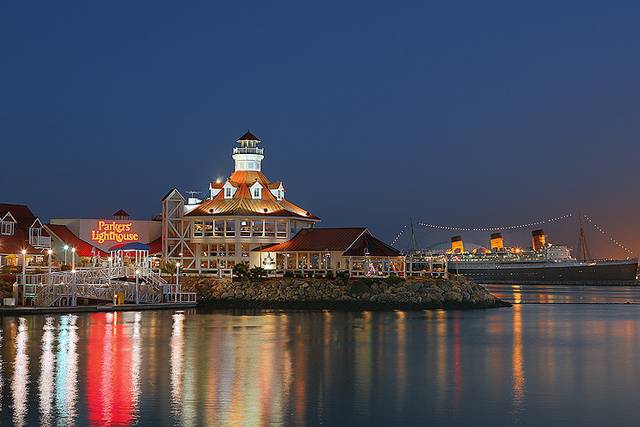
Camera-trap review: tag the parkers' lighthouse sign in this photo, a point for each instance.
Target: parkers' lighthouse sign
(113, 231)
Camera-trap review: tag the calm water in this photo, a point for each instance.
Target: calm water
(527, 365)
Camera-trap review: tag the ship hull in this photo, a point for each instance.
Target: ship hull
(575, 273)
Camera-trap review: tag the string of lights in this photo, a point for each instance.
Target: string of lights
(496, 228)
(393, 242)
(608, 236)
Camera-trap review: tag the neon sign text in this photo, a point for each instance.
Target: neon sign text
(111, 231)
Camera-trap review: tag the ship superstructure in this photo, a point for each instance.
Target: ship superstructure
(543, 263)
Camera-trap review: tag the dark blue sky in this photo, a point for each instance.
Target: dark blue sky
(458, 112)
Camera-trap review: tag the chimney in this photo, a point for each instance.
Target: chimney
(538, 239)
(496, 242)
(456, 245)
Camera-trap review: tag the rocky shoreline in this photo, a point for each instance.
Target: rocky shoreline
(370, 294)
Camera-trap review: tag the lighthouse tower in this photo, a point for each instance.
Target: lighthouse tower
(248, 157)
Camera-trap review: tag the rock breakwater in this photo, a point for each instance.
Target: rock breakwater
(454, 292)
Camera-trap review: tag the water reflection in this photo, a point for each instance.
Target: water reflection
(521, 365)
(517, 363)
(20, 381)
(177, 349)
(47, 372)
(67, 369)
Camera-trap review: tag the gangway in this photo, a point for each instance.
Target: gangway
(64, 288)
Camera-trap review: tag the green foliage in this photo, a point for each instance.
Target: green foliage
(393, 280)
(288, 273)
(240, 270)
(329, 274)
(257, 273)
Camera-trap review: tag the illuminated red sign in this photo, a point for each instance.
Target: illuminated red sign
(112, 231)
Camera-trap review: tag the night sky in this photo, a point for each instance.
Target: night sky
(457, 112)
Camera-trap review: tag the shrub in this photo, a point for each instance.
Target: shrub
(257, 273)
(329, 274)
(288, 273)
(240, 270)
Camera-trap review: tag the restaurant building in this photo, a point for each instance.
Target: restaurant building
(320, 251)
(21, 230)
(91, 241)
(243, 212)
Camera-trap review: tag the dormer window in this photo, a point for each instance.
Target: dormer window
(256, 190)
(6, 228)
(228, 193)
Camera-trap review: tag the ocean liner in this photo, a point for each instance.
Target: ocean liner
(544, 263)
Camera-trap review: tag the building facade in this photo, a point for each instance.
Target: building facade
(90, 240)
(323, 251)
(241, 213)
(21, 230)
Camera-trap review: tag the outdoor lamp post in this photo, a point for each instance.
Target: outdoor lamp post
(110, 259)
(24, 266)
(73, 258)
(73, 288)
(137, 286)
(49, 253)
(175, 297)
(66, 248)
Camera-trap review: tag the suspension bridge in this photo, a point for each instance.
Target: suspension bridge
(117, 285)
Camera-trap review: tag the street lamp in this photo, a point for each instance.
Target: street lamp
(49, 253)
(73, 258)
(24, 266)
(73, 288)
(175, 298)
(137, 284)
(66, 248)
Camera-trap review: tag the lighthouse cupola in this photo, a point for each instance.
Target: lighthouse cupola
(248, 156)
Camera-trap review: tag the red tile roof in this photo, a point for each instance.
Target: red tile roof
(83, 248)
(351, 241)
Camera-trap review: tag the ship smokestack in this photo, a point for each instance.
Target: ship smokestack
(538, 239)
(497, 242)
(456, 244)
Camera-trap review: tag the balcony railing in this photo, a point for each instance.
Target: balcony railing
(247, 150)
(40, 241)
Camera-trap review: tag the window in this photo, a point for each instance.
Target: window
(198, 230)
(231, 228)
(208, 228)
(245, 229)
(257, 192)
(269, 228)
(219, 228)
(257, 228)
(244, 250)
(228, 193)
(281, 230)
(6, 228)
